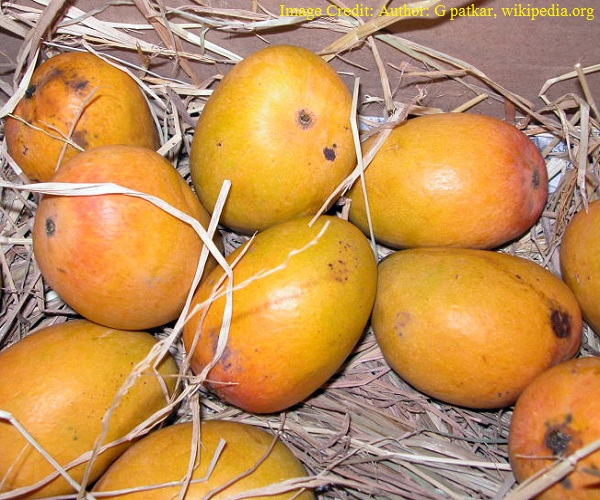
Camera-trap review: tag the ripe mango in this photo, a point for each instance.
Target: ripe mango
(278, 127)
(451, 179)
(472, 327)
(58, 383)
(76, 98)
(580, 261)
(164, 456)
(302, 296)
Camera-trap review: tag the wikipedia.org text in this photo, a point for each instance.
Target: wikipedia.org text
(517, 10)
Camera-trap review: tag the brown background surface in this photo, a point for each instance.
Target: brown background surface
(519, 54)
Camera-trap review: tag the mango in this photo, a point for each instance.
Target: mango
(164, 457)
(302, 295)
(472, 327)
(59, 383)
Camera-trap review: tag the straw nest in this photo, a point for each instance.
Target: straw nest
(366, 434)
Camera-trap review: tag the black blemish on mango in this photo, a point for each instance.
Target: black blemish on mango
(557, 439)
(535, 178)
(305, 118)
(50, 227)
(561, 323)
(329, 153)
(30, 92)
(559, 436)
(78, 84)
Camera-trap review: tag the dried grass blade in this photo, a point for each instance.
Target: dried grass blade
(162, 28)
(11, 26)
(587, 92)
(211, 230)
(32, 41)
(470, 103)
(582, 152)
(433, 57)
(376, 24)
(566, 76)
(355, 134)
(105, 32)
(385, 82)
(9, 106)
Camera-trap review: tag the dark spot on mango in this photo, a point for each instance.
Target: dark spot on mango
(227, 359)
(30, 92)
(80, 138)
(345, 245)
(329, 153)
(78, 84)
(401, 320)
(557, 441)
(561, 323)
(50, 227)
(219, 144)
(339, 270)
(535, 178)
(305, 119)
(558, 436)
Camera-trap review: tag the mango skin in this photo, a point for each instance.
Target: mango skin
(555, 416)
(580, 261)
(302, 298)
(58, 382)
(472, 327)
(451, 179)
(81, 96)
(278, 127)
(164, 455)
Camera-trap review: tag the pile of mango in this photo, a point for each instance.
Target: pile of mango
(133, 246)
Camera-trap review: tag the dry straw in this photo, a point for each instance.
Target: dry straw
(365, 434)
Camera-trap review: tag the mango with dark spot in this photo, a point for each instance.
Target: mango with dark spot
(302, 296)
(472, 327)
(76, 101)
(555, 417)
(286, 152)
(129, 264)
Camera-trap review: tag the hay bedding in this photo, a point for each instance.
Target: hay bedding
(366, 434)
